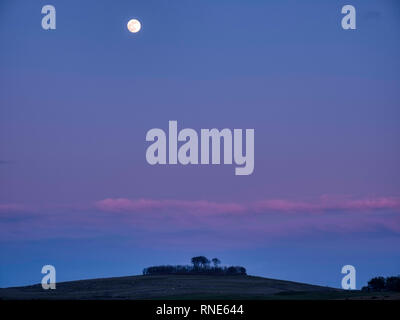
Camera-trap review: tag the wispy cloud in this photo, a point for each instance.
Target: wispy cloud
(176, 220)
(197, 206)
(328, 203)
(12, 207)
(324, 203)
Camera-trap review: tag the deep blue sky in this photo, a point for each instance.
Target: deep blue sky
(76, 103)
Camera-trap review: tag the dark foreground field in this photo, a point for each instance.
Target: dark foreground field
(184, 287)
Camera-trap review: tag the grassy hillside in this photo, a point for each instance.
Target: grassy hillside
(178, 287)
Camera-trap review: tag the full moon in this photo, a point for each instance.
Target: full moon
(134, 25)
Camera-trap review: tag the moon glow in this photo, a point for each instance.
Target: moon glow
(134, 25)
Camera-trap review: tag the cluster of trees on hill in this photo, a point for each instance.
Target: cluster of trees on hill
(200, 265)
(383, 284)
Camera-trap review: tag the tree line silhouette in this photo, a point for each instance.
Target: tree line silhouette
(383, 284)
(200, 265)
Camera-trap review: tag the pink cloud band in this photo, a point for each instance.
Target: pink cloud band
(251, 220)
(324, 203)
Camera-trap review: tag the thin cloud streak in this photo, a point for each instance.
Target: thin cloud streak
(162, 220)
(324, 203)
(197, 206)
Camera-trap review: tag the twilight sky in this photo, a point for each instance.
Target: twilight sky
(76, 103)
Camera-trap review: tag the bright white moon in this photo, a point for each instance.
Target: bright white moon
(134, 25)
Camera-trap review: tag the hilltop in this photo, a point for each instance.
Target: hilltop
(175, 287)
(187, 287)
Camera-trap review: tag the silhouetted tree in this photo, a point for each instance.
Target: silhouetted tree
(377, 283)
(200, 261)
(201, 265)
(195, 262)
(242, 270)
(216, 262)
(393, 283)
(231, 270)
